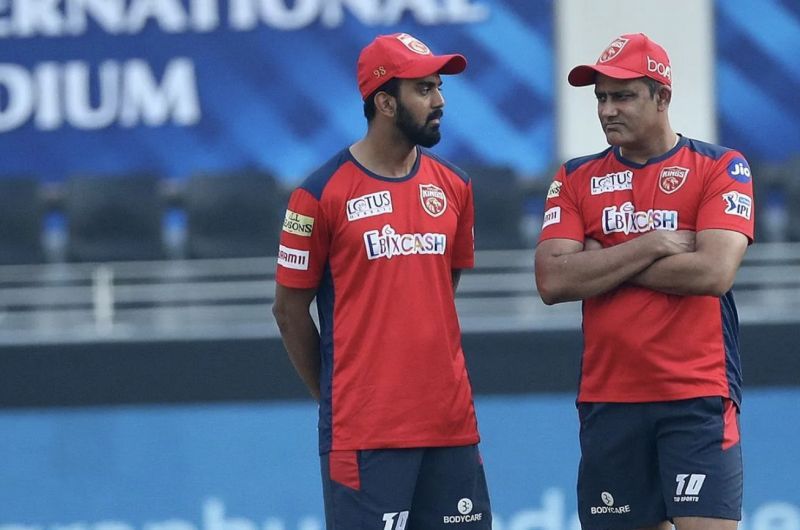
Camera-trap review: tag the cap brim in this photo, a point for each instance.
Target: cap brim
(434, 64)
(586, 74)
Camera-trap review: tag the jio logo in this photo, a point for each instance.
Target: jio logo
(739, 170)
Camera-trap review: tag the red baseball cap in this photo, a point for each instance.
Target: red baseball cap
(628, 57)
(403, 56)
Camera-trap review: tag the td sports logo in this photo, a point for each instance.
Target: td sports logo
(689, 486)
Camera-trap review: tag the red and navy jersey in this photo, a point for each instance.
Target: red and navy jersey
(380, 253)
(641, 345)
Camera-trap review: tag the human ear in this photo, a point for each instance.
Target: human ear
(385, 103)
(663, 97)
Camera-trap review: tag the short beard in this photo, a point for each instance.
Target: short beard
(417, 134)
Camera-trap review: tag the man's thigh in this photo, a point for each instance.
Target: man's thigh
(619, 485)
(700, 458)
(405, 489)
(451, 492)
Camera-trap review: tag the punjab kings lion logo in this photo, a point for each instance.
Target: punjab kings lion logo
(613, 50)
(413, 44)
(672, 178)
(433, 199)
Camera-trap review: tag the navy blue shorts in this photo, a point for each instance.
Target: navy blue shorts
(643, 463)
(406, 489)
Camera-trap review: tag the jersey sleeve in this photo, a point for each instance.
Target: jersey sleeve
(562, 217)
(304, 242)
(464, 244)
(727, 201)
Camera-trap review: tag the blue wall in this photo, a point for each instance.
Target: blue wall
(758, 77)
(249, 467)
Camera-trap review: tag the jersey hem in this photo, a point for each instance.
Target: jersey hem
(732, 228)
(560, 236)
(297, 285)
(650, 399)
(394, 444)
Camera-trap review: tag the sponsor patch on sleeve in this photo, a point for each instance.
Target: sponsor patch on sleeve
(739, 170)
(552, 216)
(738, 204)
(292, 258)
(298, 224)
(554, 190)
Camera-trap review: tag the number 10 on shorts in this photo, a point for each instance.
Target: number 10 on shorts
(689, 484)
(389, 519)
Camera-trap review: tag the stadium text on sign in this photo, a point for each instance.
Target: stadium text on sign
(62, 18)
(128, 94)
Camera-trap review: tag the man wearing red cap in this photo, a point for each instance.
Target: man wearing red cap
(378, 235)
(649, 234)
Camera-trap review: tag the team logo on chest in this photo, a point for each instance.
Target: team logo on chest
(433, 199)
(672, 178)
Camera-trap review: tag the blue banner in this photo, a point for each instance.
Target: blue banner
(255, 467)
(758, 77)
(175, 87)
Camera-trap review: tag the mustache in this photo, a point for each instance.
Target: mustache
(435, 115)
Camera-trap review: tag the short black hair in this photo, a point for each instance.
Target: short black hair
(652, 84)
(391, 87)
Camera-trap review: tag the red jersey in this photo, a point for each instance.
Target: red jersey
(380, 253)
(641, 345)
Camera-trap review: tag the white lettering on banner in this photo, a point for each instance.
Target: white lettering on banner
(63, 18)
(628, 221)
(168, 14)
(246, 14)
(127, 94)
(143, 98)
(387, 243)
(59, 18)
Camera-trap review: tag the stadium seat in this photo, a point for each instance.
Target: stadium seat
(113, 218)
(775, 194)
(233, 215)
(498, 207)
(791, 170)
(21, 214)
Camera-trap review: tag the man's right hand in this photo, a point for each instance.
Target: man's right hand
(670, 243)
